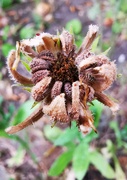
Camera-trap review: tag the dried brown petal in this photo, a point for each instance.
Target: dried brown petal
(35, 116)
(67, 41)
(75, 100)
(107, 101)
(14, 74)
(51, 44)
(86, 120)
(57, 109)
(83, 56)
(40, 90)
(88, 40)
(98, 72)
(108, 72)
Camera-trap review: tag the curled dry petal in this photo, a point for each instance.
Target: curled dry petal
(13, 72)
(108, 73)
(88, 40)
(67, 41)
(107, 101)
(35, 116)
(86, 119)
(75, 100)
(51, 44)
(57, 109)
(40, 89)
(98, 72)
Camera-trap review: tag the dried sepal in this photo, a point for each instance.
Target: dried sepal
(14, 73)
(67, 41)
(35, 116)
(88, 40)
(98, 72)
(107, 101)
(86, 120)
(57, 109)
(75, 100)
(40, 90)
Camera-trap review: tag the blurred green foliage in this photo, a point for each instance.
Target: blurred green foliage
(78, 151)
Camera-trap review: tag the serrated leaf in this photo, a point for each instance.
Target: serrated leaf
(74, 25)
(81, 160)
(102, 165)
(95, 43)
(26, 65)
(61, 163)
(52, 133)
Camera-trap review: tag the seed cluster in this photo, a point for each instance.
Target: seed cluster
(64, 68)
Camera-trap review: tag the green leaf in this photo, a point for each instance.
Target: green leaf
(5, 3)
(52, 133)
(102, 165)
(75, 25)
(67, 136)
(123, 6)
(119, 172)
(4, 134)
(1, 100)
(115, 127)
(117, 27)
(95, 43)
(6, 48)
(27, 32)
(106, 51)
(26, 65)
(6, 30)
(23, 112)
(105, 46)
(61, 163)
(81, 160)
(96, 109)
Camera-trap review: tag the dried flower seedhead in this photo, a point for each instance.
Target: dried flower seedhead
(63, 79)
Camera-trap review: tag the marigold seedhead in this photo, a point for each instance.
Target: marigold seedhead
(63, 78)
